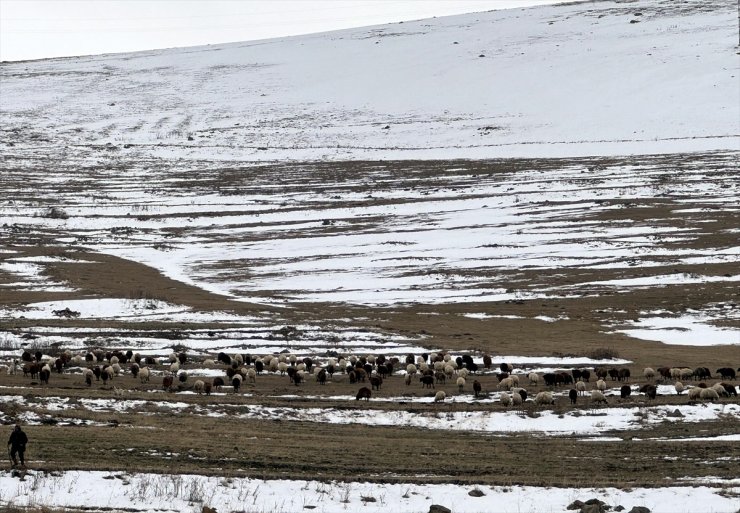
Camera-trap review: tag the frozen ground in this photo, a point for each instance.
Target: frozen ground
(173, 493)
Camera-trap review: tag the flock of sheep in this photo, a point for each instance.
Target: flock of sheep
(429, 370)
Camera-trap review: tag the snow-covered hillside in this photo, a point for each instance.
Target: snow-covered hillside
(592, 78)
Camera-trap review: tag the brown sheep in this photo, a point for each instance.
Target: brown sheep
(363, 393)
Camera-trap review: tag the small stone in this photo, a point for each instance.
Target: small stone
(575, 505)
(436, 508)
(675, 413)
(592, 508)
(476, 492)
(639, 509)
(619, 508)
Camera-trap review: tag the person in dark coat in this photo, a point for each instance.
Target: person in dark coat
(17, 443)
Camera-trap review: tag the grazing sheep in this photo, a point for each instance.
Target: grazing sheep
(544, 398)
(717, 387)
(506, 367)
(116, 369)
(506, 384)
(601, 385)
(581, 387)
(460, 384)
(534, 378)
(199, 386)
(449, 371)
(144, 374)
(686, 374)
(218, 382)
(651, 391)
(363, 393)
(648, 373)
(207, 388)
(464, 373)
(209, 362)
(167, 383)
(573, 394)
(679, 387)
(505, 400)
(407, 379)
(236, 382)
(694, 393)
(726, 373)
(702, 373)
(175, 368)
(522, 392)
(598, 397)
(730, 389)
(439, 396)
(516, 399)
(624, 374)
(134, 368)
(113, 360)
(252, 375)
(709, 394)
(411, 369)
(375, 382)
(625, 391)
(487, 361)
(427, 381)
(514, 379)
(585, 375)
(476, 388)
(88, 374)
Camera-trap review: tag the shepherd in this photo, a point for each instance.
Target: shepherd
(17, 445)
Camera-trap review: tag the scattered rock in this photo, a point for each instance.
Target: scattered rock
(436, 508)
(476, 492)
(593, 508)
(639, 509)
(206, 509)
(575, 505)
(619, 508)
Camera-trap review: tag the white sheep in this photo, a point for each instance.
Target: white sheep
(252, 375)
(597, 396)
(506, 400)
(113, 360)
(282, 357)
(516, 399)
(721, 392)
(679, 387)
(419, 360)
(423, 367)
(411, 369)
(144, 374)
(283, 368)
(709, 394)
(371, 359)
(408, 379)
(694, 393)
(506, 384)
(686, 373)
(175, 368)
(209, 362)
(293, 358)
(172, 357)
(581, 387)
(544, 398)
(449, 370)
(601, 385)
(534, 378)
(116, 368)
(439, 366)
(274, 365)
(675, 373)
(239, 359)
(460, 384)
(463, 373)
(447, 358)
(199, 386)
(514, 379)
(439, 396)
(649, 373)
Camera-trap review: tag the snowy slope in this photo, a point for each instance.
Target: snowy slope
(595, 78)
